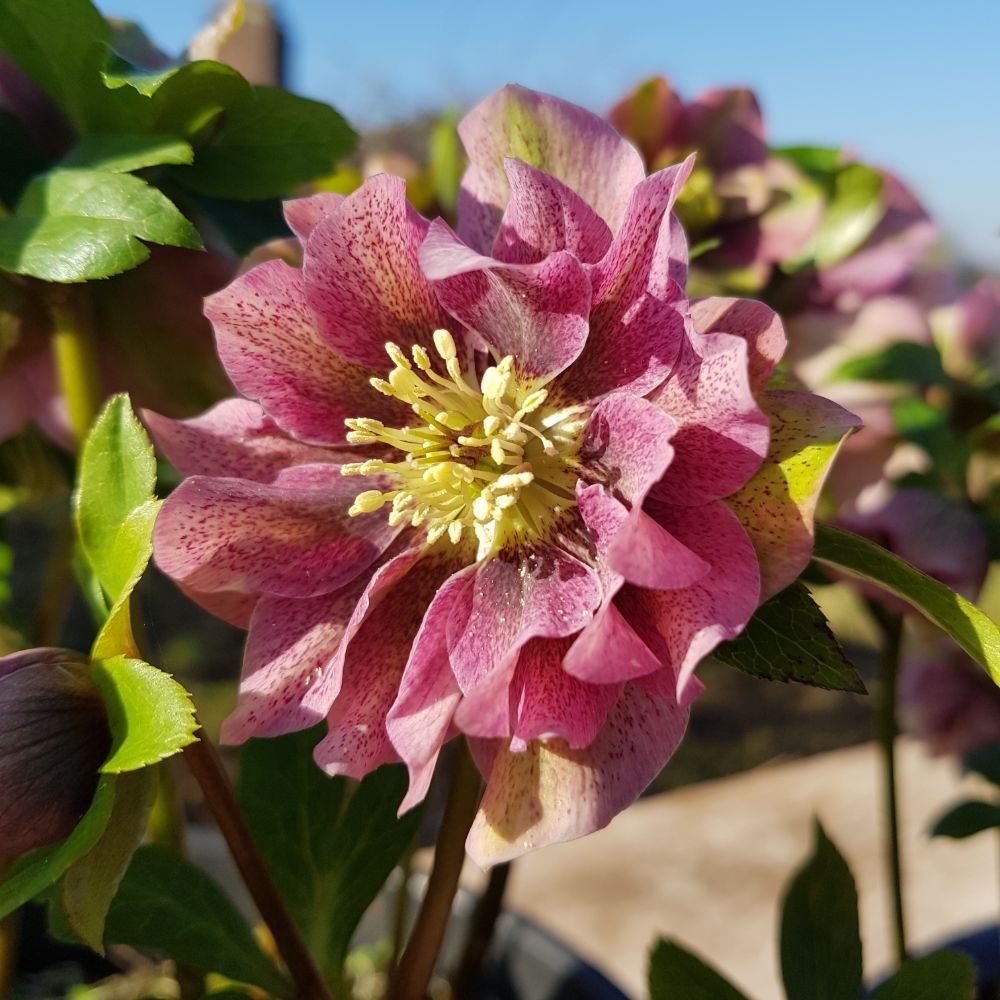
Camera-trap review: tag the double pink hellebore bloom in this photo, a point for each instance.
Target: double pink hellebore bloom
(556, 503)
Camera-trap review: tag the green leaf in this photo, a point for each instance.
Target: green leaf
(166, 904)
(328, 858)
(678, 974)
(38, 869)
(945, 975)
(90, 884)
(75, 225)
(117, 477)
(984, 761)
(270, 141)
(967, 819)
(854, 210)
(150, 714)
(703, 247)
(903, 361)
(447, 161)
(977, 634)
(246, 224)
(59, 44)
(21, 159)
(820, 938)
(122, 153)
(788, 639)
(813, 160)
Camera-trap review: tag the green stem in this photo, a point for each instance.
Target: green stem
(166, 821)
(417, 964)
(9, 928)
(892, 630)
(203, 760)
(75, 350)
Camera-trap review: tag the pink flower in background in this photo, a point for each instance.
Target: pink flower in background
(509, 483)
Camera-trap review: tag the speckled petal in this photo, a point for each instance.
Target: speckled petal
(292, 537)
(268, 343)
(575, 146)
(550, 793)
(723, 435)
(302, 214)
(233, 438)
(683, 626)
(362, 279)
(535, 312)
(777, 506)
(544, 216)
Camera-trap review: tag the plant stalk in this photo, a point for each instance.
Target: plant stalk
(892, 630)
(9, 928)
(481, 927)
(75, 351)
(417, 964)
(203, 760)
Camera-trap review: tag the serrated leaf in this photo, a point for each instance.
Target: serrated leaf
(90, 884)
(984, 761)
(678, 974)
(820, 936)
(788, 639)
(270, 141)
(150, 714)
(903, 361)
(967, 819)
(166, 904)
(330, 860)
(945, 975)
(76, 225)
(37, 870)
(976, 633)
(117, 477)
(122, 153)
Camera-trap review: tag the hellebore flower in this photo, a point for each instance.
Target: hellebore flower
(759, 208)
(53, 739)
(531, 528)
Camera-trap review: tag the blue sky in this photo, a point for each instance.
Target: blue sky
(912, 86)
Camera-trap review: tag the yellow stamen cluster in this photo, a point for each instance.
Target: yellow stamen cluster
(487, 457)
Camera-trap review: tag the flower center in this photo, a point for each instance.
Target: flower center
(489, 457)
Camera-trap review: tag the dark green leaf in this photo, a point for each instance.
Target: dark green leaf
(38, 869)
(246, 224)
(167, 905)
(967, 819)
(984, 761)
(270, 141)
(903, 361)
(929, 427)
(977, 634)
(20, 160)
(813, 160)
(151, 715)
(75, 225)
(117, 477)
(945, 975)
(678, 974)
(90, 884)
(820, 938)
(59, 44)
(329, 859)
(122, 153)
(788, 639)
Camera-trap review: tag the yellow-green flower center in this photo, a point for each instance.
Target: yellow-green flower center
(489, 457)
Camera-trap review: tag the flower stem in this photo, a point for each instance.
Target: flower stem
(9, 928)
(891, 626)
(203, 760)
(484, 919)
(417, 964)
(75, 351)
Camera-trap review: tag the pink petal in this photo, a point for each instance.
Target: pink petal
(232, 606)
(292, 538)
(234, 438)
(727, 127)
(550, 793)
(573, 145)
(723, 434)
(683, 626)
(649, 116)
(777, 506)
(362, 278)
(544, 216)
(303, 214)
(609, 650)
(535, 312)
(267, 340)
(357, 739)
(645, 553)
(758, 324)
